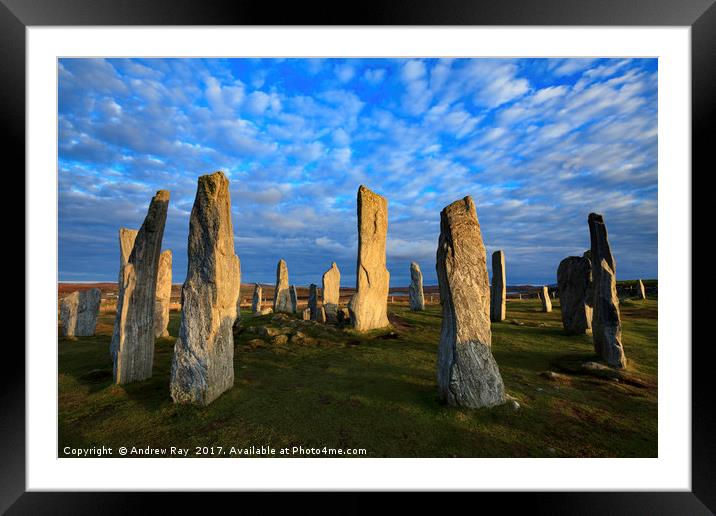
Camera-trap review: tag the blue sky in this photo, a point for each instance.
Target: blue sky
(537, 143)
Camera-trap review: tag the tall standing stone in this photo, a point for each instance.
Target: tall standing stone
(78, 313)
(606, 320)
(546, 301)
(498, 290)
(313, 301)
(256, 301)
(293, 299)
(132, 344)
(369, 305)
(640, 290)
(281, 295)
(467, 374)
(415, 290)
(331, 283)
(203, 362)
(574, 278)
(163, 295)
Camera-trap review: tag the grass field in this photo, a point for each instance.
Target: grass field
(378, 392)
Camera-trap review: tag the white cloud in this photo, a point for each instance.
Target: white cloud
(555, 130)
(223, 99)
(417, 97)
(570, 66)
(345, 72)
(341, 137)
(374, 75)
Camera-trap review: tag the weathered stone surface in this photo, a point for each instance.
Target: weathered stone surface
(321, 315)
(574, 276)
(498, 289)
(293, 299)
(313, 300)
(132, 344)
(126, 244)
(163, 294)
(302, 339)
(606, 320)
(640, 290)
(270, 331)
(281, 295)
(78, 313)
(257, 299)
(279, 340)
(467, 373)
(237, 321)
(265, 311)
(415, 290)
(306, 314)
(343, 316)
(546, 301)
(369, 306)
(203, 362)
(255, 343)
(331, 283)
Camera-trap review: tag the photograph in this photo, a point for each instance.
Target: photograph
(394, 257)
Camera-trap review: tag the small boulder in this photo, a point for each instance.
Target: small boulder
(279, 340)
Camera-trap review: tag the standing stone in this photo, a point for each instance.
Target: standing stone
(78, 313)
(343, 316)
(321, 315)
(574, 277)
(293, 299)
(467, 374)
(163, 295)
(126, 244)
(641, 292)
(331, 282)
(498, 290)
(368, 306)
(237, 321)
(546, 301)
(203, 362)
(606, 320)
(281, 295)
(313, 300)
(256, 301)
(306, 314)
(590, 289)
(415, 290)
(132, 344)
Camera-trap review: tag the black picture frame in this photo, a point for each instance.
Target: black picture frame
(700, 15)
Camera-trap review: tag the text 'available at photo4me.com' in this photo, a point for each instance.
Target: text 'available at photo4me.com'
(212, 451)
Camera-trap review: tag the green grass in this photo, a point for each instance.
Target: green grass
(378, 392)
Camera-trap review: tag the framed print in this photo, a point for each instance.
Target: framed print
(408, 250)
